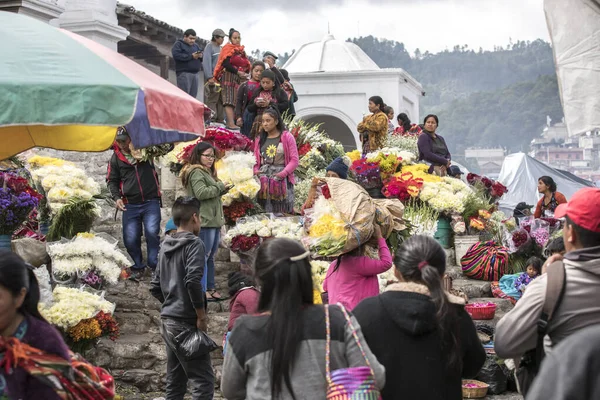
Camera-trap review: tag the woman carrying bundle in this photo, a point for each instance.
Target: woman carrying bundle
(353, 277)
(374, 127)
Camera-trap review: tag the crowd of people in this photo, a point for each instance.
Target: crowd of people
(415, 340)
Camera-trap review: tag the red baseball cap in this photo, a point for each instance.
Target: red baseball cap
(583, 209)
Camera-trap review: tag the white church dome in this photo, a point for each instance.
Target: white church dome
(330, 55)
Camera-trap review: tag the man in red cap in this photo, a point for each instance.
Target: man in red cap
(579, 306)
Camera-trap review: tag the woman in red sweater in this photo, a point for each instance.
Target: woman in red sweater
(551, 198)
(244, 300)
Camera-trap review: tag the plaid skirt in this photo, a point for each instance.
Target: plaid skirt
(229, 87)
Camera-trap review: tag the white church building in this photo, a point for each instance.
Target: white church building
(334, 81)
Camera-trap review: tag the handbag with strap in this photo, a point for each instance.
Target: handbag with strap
(530, 363)
(353, 383)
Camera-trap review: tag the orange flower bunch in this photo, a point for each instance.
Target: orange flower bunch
(86, 329)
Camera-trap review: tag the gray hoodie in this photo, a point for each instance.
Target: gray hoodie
(516, 332)
(177, 282)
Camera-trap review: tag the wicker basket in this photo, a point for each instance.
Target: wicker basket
(478, 392)
(487, 312)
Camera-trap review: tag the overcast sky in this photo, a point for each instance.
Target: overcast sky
(284, 25)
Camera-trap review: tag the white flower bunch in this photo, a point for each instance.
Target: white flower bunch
(72, 305)
(319, 273)
(84, 254)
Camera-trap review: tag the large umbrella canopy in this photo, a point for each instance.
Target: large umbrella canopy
(63, 91)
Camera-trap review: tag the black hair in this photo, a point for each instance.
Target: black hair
(387, 110)
(273, 111)
(184, 209)
(196, 156)
(421, 259)
(286, 75)
(536, 263)
(556, 245)
(286, 288)
(236, 281)
(585, 237)
(404, 121)
(16, 274)
(378, 101)
(232, 31)
(189, 32)
(258, 63)
(548, 181)
(437, 121)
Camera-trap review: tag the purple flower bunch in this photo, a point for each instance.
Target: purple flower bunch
(92, 279)
(14, 209)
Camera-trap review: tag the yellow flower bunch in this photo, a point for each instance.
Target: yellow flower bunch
(86, 235)
(86, 329)
(387, 162)
(41, 161)
(328, 225)
(353, 155)
(419, 171)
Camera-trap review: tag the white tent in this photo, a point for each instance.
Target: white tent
(574, 27)
(520, 174)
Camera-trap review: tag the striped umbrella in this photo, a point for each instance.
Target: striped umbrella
(63, 91)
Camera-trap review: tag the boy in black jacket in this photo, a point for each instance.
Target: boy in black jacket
(177, 285)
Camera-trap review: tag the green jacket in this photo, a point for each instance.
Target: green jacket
(205, 188)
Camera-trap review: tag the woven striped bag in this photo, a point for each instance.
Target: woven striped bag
(354, 383)
(485, 261)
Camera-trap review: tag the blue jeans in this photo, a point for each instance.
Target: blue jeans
(210, 237)
(148, 214)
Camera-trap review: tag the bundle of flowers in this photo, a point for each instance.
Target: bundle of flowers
(422, 217)
(366, 173)
(421, 171)
(406, 143)
(249, 232)
(222, 139)
(93, 259)
(73, 305)
(492, 188)
(406, 156)
(103, 324)
(62, 181)
(402, 186)
(354, 155)
(237, 168)
(237, 210)
(319, 272)
(447, 196)
(302, 187)
(388, 163)
(17, 201)
(311, 160)
(152, 152)
(327, 232)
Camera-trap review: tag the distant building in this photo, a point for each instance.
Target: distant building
(489, 160)
(334, 80)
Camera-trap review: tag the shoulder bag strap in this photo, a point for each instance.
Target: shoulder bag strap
(362, 350)
(555, 290)
(327, 344)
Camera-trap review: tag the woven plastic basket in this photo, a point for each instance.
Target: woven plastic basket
(478, 392)
(486, 312)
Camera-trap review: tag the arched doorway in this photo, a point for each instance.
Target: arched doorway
(335, 123)
(336, 129)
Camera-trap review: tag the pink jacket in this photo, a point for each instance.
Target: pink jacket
(290, 151)
(356, 278)
(245, 301)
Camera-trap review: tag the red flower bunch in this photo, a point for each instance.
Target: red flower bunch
(325, 191)
(519, 238)
(493, 188)
(108, 324)
(18, 184)
(304, 149)
(402, 187)
(295, 132)
(236, 210)
(242, 243)
(222, 139)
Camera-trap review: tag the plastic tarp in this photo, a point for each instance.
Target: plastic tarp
(520, 174)
(574, 28)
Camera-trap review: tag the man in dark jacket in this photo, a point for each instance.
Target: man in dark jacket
(188, 62)
(212, 94)
(177, 285)
(134, 186)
